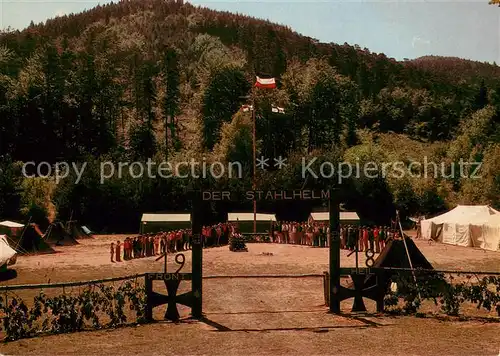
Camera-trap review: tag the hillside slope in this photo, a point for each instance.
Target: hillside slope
(163, 80)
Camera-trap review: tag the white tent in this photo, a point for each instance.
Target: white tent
(166, 217)
(151, 223)
(249, 217)
(465, 225)
(6, 252)
(11, 224)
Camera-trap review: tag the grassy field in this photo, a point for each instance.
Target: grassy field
(260, 316)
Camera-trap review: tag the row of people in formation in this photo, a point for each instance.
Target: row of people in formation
(155, 244)
(310, 234)
(316, 234)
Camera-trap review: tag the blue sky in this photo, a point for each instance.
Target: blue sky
(400, 29)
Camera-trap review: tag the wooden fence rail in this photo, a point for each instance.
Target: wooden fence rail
(248, 276)
(436, 271)
(117, 279)
(263, 276)
(68, 284)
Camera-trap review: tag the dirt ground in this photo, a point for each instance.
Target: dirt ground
(259, 316)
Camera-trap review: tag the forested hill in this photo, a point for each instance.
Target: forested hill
(165, 80)
(456, 69)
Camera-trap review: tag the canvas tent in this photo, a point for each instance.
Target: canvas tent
(346, 217)
(245, 221)
(30, 241)
(11, 224)
(6, 252)
(57, 235)
(151, 223)
(395, 255)
(11, 228)
(76, 231)
(465, 225)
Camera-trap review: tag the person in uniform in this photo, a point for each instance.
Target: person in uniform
(279, 232)
(125, 246)
(112, 252)
(371, 239)
(360, 238)
(285, 232)
(129, 248)
(299, 234)
(366, 238)
(326, 234)
(149, 245)
(316, 235)
(343, 237)
(118, 252)
(355, 242)
(376, 240)
(382, 237)
(219, 234)
(162, 243)
(157, 244)
(419, 228)
(350, 239)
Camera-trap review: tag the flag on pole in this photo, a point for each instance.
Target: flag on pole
(265, 83)
(246, 108)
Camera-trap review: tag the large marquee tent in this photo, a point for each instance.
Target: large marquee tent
(465, 225)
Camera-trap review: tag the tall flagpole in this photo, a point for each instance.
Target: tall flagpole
(254, 139)
(269, 83)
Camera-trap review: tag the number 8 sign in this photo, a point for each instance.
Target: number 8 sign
(369, 258)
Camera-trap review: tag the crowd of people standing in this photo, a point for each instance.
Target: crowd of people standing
(316, 234)
(155, 244)
(284, 232)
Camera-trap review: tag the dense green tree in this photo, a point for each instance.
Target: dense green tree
(223, 97)
(10, 198)
(481, 98)
(143, 141)
(171, 100)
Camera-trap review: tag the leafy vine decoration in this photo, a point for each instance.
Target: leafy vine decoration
(449, 293)
(66, 313)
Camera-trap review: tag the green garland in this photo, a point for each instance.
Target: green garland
(450, 295)
(66, 313)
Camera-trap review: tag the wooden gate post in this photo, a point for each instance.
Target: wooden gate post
(148, 284)
(326, 287)
(334, 253)
(197, 256)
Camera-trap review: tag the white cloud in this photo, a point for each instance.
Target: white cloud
(60, 13)
(419, 42)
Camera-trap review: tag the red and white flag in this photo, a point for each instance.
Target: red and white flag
(277, 109)
(246, 108)
(266, 83)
